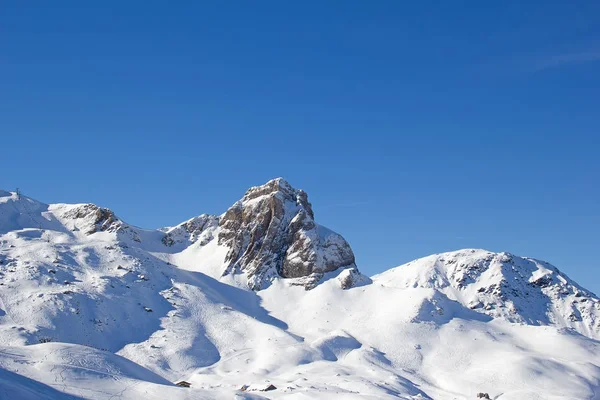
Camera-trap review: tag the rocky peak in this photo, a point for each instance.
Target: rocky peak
(90, 219)
(503, 285)
(271, 232)
(197, 229)
(282, 189)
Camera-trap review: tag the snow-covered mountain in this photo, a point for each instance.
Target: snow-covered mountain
(93, 307)
(501, 285)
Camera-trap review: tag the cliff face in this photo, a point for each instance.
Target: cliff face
(271, 232)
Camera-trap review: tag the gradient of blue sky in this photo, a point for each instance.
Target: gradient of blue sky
(415, 127)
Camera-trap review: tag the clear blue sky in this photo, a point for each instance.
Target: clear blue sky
(415, 127)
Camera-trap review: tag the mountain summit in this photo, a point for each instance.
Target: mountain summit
(271, 232)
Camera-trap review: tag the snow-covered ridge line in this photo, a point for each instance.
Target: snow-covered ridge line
(269, 234)
(176, 302)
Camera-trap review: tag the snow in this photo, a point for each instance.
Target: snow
(121, 312)
(67, 371)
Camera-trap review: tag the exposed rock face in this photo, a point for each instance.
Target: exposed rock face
(271, 232)
(95, 219)
(91, 219)
(351, 277)
(199, 228)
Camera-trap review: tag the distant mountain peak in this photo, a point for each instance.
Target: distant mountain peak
(271, 232)
(272, 185)
(282, 189)
(96, 219)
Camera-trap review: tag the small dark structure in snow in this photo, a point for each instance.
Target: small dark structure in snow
(184, 384)
(483, 396)
(257, 388)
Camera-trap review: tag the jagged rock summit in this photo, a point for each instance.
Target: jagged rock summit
(271, 232)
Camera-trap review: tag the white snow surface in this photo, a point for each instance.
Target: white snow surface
(92, 307)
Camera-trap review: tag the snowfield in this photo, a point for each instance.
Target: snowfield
(92, 307)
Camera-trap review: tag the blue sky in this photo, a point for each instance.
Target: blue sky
(415, 128)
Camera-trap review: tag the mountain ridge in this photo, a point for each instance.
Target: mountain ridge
(283, 226)
(287, 304)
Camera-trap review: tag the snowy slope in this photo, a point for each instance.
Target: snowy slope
(66, 371)
(93, 307)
